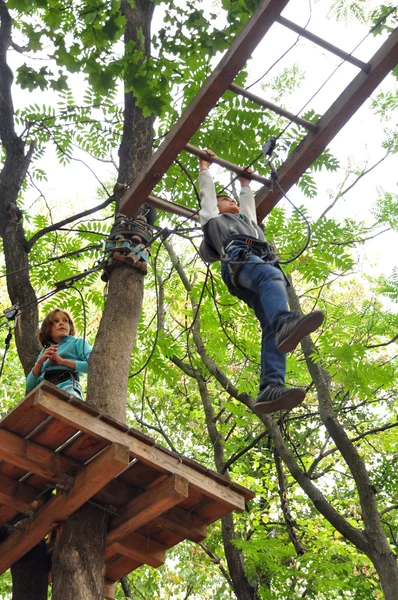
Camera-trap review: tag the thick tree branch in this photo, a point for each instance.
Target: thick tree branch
(60, 224)
(7, 131)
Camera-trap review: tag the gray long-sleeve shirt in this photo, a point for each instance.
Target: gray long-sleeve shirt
(217, 228)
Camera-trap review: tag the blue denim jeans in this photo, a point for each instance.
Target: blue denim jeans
(262, 286)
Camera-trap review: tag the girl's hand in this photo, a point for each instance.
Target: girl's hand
(48, 354)
(203, 163)
(56, 358)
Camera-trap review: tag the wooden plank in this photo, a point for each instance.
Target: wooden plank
(330, 124)
(24, 417)
(323, 43)
(140, 548)
(53, 434)
(91, 479)
(33, 457)
(109, 590)
(147, 506)
(154, 457)
(120, 567)
(273, 107)
(17, 495)
(184, 523)
(207, 97)
(84, 446)
(226, 164)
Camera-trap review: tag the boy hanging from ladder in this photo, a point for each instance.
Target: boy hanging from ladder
(232, 235)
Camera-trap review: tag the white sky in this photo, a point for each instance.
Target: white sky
(360, 139)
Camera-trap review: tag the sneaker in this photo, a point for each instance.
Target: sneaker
(294, 329)
(278, 397)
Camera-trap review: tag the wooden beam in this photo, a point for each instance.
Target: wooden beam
(36, 458)
(120, 567)
(109, 590)
(207, 97)
(323, 43)
(173, 208)
(158, 459)
(330, 124)
(17, 495)
(183, 523)
(276, 109)
(226, 164)
(138, 547)
(92, 478)
(153, 502)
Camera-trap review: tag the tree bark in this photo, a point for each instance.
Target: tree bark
(30, 574)
(78, 556)
(375, 543)
(110, 359)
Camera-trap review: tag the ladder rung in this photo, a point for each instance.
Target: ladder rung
(323, 43)
(276, 109)
(172, 207)
(227, 165)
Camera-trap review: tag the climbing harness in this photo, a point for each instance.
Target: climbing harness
(247, 246)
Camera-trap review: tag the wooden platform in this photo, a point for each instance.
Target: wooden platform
(156, 497)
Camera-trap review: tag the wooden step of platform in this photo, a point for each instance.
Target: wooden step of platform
(57, 452)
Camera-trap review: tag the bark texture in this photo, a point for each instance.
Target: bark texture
(78, 557)
(30, 574)
(110, 359)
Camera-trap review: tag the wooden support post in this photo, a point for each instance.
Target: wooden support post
(207, 97)
(88, 482)
(323, 43)
(32, 457)
(138, 547)
(109, 590)
(152, 503)
(276, 109)
(330, 124)
(227, 165)
(17, 495)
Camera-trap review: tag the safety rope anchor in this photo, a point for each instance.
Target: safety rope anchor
(127, 244)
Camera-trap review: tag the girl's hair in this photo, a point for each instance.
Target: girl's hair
(45, 329)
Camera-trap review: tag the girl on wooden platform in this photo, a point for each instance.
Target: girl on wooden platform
(63, 357)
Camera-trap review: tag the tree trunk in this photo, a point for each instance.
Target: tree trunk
(30, 575)
(78, 557)
(81, 570)
(386, 566)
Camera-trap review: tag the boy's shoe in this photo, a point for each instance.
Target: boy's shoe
(278, 397)
(294, 329)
